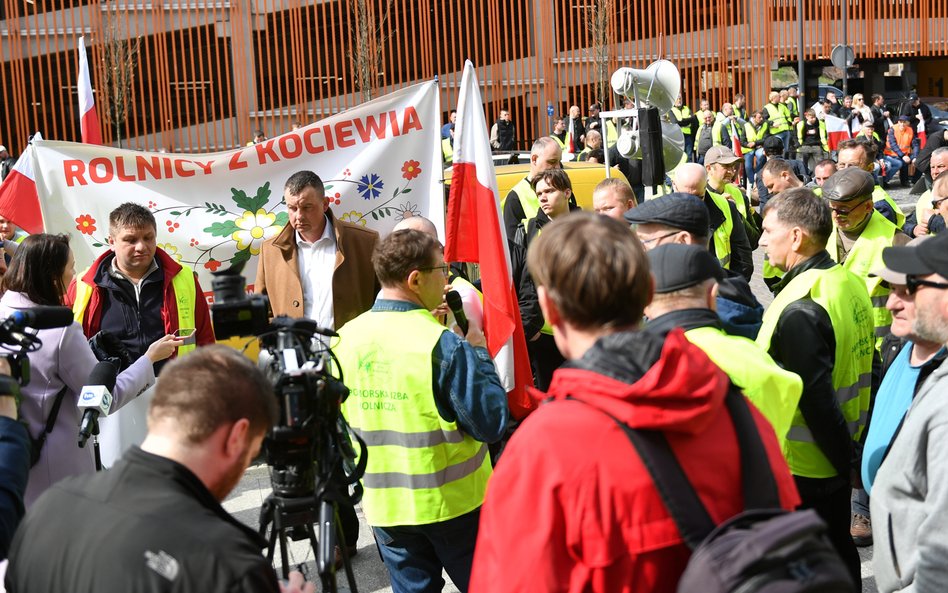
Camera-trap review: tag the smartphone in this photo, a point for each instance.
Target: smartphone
(187, 334)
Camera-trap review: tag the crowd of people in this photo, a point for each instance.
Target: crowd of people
(639, 318)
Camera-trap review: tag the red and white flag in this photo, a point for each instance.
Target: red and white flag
(89, 120)
(19, 202)
(922, 135)
(735, 141)
(837, 130)
(475, 233)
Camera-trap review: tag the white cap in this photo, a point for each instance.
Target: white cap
(3, 148)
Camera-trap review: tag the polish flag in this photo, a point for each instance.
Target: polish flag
(475, 233)
(920, 130)
(18, 200)
(735, 141)
(89, 122)
(836, 131)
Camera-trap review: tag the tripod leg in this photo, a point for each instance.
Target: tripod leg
(284, 556)
(326, 550)
(346, 561)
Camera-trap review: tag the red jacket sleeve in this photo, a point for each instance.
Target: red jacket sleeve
(202, 317)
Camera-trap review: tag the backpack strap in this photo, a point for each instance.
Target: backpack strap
(679, 496)
(53, 414)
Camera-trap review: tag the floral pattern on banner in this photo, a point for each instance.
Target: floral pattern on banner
(249, 220)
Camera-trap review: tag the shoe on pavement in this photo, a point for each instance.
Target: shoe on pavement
(861, 530)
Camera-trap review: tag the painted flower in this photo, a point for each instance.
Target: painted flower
(85, 224)
(255, 228)
(170, 250)
(212, 265)
(370, 186)
(410, 170)
(407, 210)
(346, 173)
(354, 217)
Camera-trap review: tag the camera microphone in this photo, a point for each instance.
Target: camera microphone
(96, 398)
(453, 299)
(42, 317)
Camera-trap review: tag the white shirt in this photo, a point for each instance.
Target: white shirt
(317, 263)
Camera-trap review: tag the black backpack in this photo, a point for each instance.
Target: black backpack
(764, 549)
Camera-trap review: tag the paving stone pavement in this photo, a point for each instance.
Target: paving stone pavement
(370, 574)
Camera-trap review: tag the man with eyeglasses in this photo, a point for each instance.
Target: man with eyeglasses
(860, 233)
(909, 356)
(426, 401)
(928, 218)
(820, 327)
(682, 218)
(861, 154)
(910, 493)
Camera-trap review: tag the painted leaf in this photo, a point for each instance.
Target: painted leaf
(242, 200)
(282, 219)
(240, 257)
(261, 199)
(222, 229)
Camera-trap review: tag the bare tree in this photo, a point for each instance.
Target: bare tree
(370, 37)
(598, 14)
(120, 57)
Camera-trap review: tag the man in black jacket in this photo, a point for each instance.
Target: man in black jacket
(154, 521)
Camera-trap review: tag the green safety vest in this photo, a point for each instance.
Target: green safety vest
(778, 117)
(775, 391)
(722, 235)
(792, 108)
(865, 258)
(880, 195)
(721, 135)
(421, 468)
(755, 135)
(842, 295)
(683, 113)
(529, 201)
(735, 196)
(822, 131)
(182, 284)
(564, 144)
(447, 150)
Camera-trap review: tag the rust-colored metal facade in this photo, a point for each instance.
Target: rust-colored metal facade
(212, 71)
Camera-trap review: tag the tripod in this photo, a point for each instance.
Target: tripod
(294, 518)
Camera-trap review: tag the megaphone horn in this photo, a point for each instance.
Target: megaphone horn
(656, 86)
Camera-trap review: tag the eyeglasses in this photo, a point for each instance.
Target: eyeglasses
(443, 267)
(647, 242)
(913, 283)
(937, 203)
(847, 211)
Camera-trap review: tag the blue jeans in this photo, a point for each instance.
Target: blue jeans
(415, 554)
(892, 166)
(749, 169)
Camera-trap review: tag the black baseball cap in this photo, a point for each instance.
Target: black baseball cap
(677, 210)
(676, 266)
(927, 257)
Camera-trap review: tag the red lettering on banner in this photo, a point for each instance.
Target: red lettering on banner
(151, 166)
(311, 146)
(393, 122)
(180, 170)
(120, 170)
(327, 134)
(265, 149)
(343, 131)
(169, 167)
(411, 121)
(94, 175)
(295, 151)
(235, 162)
(73, 170)
(206, 167)
(366, 128)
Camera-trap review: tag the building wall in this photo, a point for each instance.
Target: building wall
(211, 71)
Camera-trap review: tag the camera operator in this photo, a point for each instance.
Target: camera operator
(40, 271)
(426, 402)
(154, 521)
(14, 462)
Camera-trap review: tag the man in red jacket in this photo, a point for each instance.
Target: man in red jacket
(571, 507)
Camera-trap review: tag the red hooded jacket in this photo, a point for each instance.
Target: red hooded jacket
(92, 320)
(571, 507)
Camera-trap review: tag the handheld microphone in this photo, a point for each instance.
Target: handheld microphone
(43, 317)
(96, 398)
(453, 299)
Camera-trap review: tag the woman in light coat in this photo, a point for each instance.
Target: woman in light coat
(38, 274)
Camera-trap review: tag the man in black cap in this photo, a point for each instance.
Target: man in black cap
(684, 219)
(860, 233)
(910, 495)
(687, 280)
(819, 326)
(913, 107)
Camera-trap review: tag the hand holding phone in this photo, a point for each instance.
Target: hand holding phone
(186, 334)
